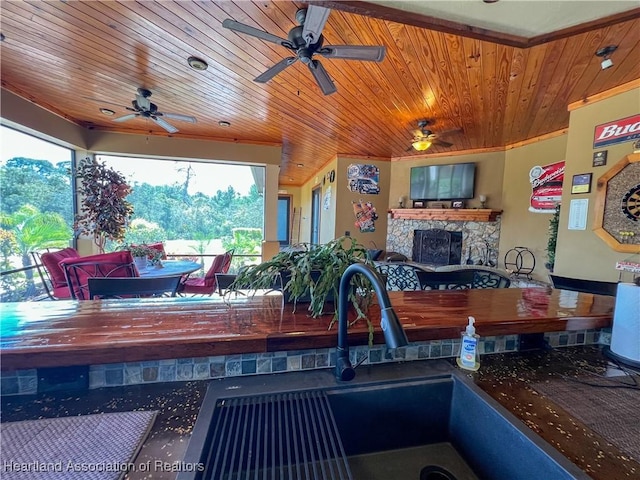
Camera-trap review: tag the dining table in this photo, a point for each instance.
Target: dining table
(170, 268)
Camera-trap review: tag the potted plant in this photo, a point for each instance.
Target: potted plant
(311, 273)
(143, 254)
(553, 238)
(104, 210)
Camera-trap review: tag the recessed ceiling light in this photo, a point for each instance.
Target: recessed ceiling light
(107, 111)
(300, 165)
(197, 63)
(224, 123)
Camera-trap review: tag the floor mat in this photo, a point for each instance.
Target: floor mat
(613, 413)
(93, 447)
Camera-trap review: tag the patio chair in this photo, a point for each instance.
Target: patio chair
(208, 284)
(462, 279)
(79, 270)
(52, 274)
(453, 280)
(135, 287)
(399, 276)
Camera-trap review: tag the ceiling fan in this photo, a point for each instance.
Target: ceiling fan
(143, 107)
(305, 40)
(423, 138)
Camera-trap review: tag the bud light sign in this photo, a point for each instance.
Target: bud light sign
(618, 131)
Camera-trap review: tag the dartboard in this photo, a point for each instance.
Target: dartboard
(631, 203)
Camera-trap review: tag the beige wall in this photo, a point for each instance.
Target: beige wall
(580, 253)
(489, 175)
(345, 217)
(20, 113)
(172, 147)
(339, 217)
(520, 227)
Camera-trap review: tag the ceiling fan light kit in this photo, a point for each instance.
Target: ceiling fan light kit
(306, 40)
(421, 145)
(423, 138)
(604, 53)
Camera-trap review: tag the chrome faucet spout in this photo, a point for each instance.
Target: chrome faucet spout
(394, 334)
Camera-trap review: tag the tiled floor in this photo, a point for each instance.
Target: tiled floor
(504, 376)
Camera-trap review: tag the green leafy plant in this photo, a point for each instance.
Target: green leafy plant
(553, 238)
(311, 272)
(104, 210)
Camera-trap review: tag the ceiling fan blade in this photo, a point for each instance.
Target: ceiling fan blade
(441, 143)
(178, 116)
(314, 23)
(449, 132)
(167, 126)
(322, 78)
(275, 70)
(255, 32)
(126, 117)
(370, 53)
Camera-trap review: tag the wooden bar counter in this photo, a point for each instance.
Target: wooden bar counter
(65, 333)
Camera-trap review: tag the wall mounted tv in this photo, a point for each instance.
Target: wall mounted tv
(442, 182)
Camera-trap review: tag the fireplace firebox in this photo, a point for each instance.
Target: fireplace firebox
(437, 247)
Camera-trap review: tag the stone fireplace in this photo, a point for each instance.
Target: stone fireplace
(479, 240)
(437, 247)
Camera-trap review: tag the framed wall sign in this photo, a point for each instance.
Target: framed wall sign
(581, 183)
(600, 158)
(618, 131)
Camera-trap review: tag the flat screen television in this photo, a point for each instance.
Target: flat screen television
(442, 182)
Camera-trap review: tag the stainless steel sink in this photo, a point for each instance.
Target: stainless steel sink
(418, 420)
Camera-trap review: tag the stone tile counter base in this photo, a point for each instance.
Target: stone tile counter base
(25, 382)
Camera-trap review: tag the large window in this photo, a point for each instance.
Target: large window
(36, 206)
(196, 208)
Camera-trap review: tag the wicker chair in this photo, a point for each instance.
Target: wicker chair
(464, 278)
(399, 276)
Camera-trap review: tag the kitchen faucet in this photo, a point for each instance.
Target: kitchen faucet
(394, 334)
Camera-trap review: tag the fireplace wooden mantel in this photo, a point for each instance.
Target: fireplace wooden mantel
(451, 214)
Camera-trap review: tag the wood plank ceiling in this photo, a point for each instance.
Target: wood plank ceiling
(73, 58)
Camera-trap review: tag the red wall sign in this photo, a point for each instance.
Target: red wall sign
(546, 187)
(618, 131)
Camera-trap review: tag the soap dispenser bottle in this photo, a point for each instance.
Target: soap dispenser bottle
(469, 358)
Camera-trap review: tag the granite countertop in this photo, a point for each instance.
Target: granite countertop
(506, 377)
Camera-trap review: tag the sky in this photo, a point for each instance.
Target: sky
(207, 178)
